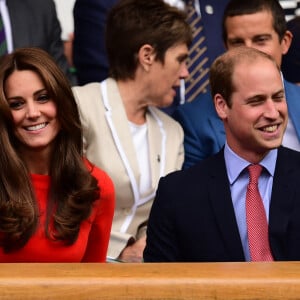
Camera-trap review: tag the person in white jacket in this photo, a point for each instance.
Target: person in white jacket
(125, 132)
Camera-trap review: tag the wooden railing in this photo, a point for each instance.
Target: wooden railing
(234, 281)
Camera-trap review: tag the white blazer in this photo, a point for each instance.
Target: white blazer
(108, 144)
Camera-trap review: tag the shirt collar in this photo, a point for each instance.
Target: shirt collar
(235, 164)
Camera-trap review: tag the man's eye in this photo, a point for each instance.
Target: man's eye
(261, 40)
(236, 43)
(255, 102)
(278, 98)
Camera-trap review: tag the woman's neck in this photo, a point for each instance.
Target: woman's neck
(133, 98)
(37, 161)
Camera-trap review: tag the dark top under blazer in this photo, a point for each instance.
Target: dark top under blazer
(193, 220)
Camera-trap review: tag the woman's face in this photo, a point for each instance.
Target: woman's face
(165, 78)
(34, 112)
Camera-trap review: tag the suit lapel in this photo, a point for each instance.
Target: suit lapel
(119, 123)
(223, 208)
(155, 140)
(281, 205)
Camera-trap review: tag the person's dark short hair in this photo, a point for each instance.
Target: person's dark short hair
(134, 23)
(243, 7)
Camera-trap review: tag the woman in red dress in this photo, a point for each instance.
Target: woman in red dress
(55, 206)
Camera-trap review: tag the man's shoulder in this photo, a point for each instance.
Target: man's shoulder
(291, 89)
(44, 8)
(287, 167)
(288, 154)
(288, 160)
(42, 5)
(206, 168)
(200, 116)
(203, 102)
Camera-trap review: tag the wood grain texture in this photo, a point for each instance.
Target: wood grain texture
(234, 281)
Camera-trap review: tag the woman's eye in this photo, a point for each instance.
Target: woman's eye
(43, 98)
(15, 104)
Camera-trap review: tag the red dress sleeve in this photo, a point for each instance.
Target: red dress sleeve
(99, 235)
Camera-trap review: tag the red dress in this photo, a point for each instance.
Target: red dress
(92, 242)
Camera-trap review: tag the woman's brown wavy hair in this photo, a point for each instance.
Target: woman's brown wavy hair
(73, 189)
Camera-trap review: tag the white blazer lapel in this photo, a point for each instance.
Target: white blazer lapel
(118, 124)
(157, 146)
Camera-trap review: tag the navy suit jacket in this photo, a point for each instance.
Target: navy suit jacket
(192, 218)
(34, 23)
(204, 133)
(89, 52)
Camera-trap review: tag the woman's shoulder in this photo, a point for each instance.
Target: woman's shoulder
(87, 93)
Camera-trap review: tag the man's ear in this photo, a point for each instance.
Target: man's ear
(146, 56)
(286, 42)
(221, 106)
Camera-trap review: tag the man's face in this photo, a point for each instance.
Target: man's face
(257, 118)
(256, 31)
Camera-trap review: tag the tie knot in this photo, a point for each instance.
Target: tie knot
(254, 172)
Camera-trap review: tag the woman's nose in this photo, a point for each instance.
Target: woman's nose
(32, 111)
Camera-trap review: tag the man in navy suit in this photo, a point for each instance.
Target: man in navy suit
(199, 214)
(259, 24)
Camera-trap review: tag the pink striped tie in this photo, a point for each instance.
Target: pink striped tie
(257, 225)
